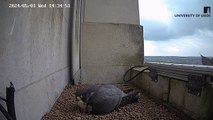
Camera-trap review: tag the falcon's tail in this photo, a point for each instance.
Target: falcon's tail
(129, 98)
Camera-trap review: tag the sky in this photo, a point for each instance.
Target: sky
(165, 34)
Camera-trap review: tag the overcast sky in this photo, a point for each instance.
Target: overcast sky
(167, 35)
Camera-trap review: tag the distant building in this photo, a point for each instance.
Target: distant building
(206, 61)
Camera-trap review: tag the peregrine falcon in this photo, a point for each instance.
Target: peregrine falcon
(103, 99)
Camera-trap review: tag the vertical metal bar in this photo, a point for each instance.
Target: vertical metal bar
(10, 101)
(5, 113)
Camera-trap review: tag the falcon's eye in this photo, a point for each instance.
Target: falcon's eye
(83, 99)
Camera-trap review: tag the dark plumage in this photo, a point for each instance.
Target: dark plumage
(102, 99)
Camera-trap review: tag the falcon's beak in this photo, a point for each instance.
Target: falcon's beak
(78, 98)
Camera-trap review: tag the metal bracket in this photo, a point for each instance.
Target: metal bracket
(195, 84)
(153, 74)
(9, 113)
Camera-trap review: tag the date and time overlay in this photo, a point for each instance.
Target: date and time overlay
(17, 5)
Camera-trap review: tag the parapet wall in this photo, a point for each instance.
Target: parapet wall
(108, 50)
(172, 89)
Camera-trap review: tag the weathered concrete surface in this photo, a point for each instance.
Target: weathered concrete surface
(198, 107)
(174, 92)
(34, 55)
(103, 74)
(76, 39)
(108, 50)
(158, 89)
(112, 11)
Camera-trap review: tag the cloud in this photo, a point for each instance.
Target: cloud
(149, 48)
(148, 12)
(172, 49)
(193, 45)
(157, 17)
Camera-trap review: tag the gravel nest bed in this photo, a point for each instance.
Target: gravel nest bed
(65, 108)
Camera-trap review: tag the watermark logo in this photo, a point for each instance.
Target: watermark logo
(207, 9)
(205, 13)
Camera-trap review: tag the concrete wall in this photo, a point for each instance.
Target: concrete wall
(76, 39)
(174, 92)
(112, 11)
(108, 50)
(34, 55)
(112, 40)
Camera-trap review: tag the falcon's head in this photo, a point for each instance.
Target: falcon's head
(83, 106)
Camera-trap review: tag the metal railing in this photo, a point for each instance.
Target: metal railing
(10, 113)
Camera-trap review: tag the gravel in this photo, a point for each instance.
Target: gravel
(146, 108)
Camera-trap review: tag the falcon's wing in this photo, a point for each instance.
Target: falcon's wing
(105, 99)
